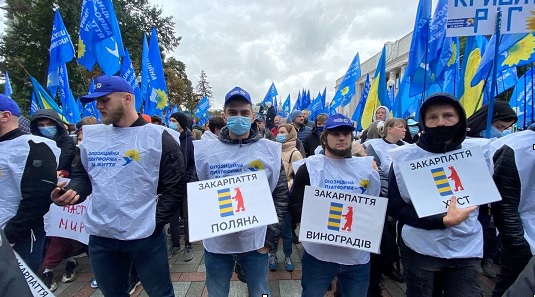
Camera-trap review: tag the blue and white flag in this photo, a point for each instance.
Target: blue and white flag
(346, 89)
(129, 74)
(202, 107)
(157, 95)
(33, 106)
(271, 93)
(286, 106)
(69, 107)
(61, 52)
(359, 110)
(522, 99)
(7, 86)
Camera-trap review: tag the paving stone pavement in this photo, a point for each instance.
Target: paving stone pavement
(189, 279)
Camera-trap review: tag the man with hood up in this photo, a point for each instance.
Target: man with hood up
(47, 123)
(449, 244)
(179, 122)
(270, 116)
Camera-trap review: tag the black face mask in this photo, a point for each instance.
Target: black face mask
(442, 134)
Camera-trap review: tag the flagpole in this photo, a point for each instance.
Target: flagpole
(25, 103)
(494, 73)
(532, 109)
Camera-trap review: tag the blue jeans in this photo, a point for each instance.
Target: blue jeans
(219, 269)
(112, 260)
(317, 275)
(286, 234)
(30, 248)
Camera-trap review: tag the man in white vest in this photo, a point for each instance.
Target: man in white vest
(137, 175)
(440, 252)
(321, 263)
(240, 143)
(27, 176)
(514, 215)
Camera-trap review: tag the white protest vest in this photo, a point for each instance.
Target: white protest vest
(380, 146)
(462, 241)
(13, 157)
(354, 174)
(522, 144)
(484, 144)
(215, 159)
(123, 165)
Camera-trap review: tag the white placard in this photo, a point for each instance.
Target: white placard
(36, 285)
(433, 180)
(226, 205)
(67, 221)
(478, 17)
(341, 218)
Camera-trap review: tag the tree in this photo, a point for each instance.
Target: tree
(27, 39)
(179, 86)
(203, 87)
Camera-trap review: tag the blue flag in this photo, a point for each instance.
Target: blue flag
(33, 106)
(100, 38)
(7, 86)
(145, 68)
(202, 107)
(271, 93)
(316, 107)
(61, 51)
(297, 104)
(486, 64)
(522, 99)
(129, 74)
(346, 89)
(157, 90)
(286, 106)
(420, 38)
(90, 109)
(357, 114)
(44, 100)
(69, 107)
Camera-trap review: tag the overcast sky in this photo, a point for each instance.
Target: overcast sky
(296, 44)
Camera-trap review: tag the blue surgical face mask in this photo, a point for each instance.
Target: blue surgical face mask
(239, 125)
(173, 126)
(48, 131)
(494, 133)
(413, 130)
(281, 138)
(507, 132)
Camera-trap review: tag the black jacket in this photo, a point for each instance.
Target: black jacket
(40, 165)
(397, 207)
(171, 182)
(280, 194)
(63, 140)
(12, 281)
(506, 215)
(312, 142)
(187, 149)
(270, 117)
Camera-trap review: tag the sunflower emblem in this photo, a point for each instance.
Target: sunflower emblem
(364, 183)
(131, 155)
(530, 22)
(345, 91)
(161, 99)
(81, 48)
(453, 57)
(256, 165)
(520, 51)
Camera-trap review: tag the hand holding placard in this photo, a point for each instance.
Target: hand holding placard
(455, 215)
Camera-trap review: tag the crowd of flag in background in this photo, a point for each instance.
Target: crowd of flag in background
(434, 65)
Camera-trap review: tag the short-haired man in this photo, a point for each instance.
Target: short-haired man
(240, 143)
(215, 124)
(321, 263)
(138, 181)
(27, 176)
(306, 116)
(313, 140)
(265, 133)
(296, 118)
(448, 245)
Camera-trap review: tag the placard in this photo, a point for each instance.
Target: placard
(432, 181)
(37, 287)
(67, 221)
(227, 205)
(478, 17)
(342, 218)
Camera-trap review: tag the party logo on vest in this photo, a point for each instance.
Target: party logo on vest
(256, 165)
(336, 215)
(226, 205)
(363, 185)
(131, 155)
(444, 186)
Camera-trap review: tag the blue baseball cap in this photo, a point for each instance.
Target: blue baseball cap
(107, 84)
(339, 122)
(8, 104)
(238, 93)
